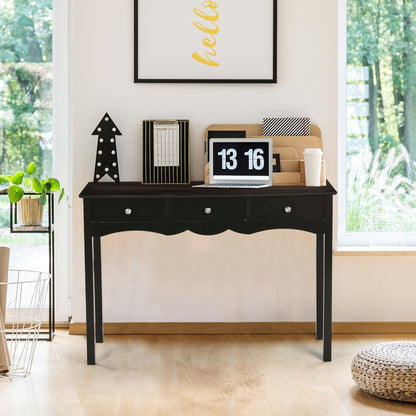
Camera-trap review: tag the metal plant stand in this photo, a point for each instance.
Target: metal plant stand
(44, 334)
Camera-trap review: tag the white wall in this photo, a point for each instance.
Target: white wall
(229, 277)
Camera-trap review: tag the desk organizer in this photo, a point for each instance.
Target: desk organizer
(290, 148)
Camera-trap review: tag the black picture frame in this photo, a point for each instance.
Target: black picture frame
(271, 68)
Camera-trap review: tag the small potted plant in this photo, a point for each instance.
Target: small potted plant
(30, 207)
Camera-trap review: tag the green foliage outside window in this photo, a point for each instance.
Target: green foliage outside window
(25, 85)
(381, 168)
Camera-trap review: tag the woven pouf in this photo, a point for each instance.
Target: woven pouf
(387, 370)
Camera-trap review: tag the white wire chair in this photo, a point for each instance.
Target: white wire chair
(19, 329)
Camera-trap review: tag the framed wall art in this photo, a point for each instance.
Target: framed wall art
(219, 41)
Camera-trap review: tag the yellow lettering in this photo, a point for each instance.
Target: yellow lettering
(212, 29)
(205, 60)
(200, 26)
(207, 16)
(209, 43)
(210, 4)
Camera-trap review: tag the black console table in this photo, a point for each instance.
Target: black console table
(172, 209)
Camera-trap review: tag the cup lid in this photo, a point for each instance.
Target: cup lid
(312, 151)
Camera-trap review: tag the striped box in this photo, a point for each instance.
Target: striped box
(166, 152)
(286, 126)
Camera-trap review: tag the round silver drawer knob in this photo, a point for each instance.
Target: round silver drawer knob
(127, 211)
(208, 210)
(288, 210)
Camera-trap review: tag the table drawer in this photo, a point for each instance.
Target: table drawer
(208, 209)
(128, 210)
(288, 207)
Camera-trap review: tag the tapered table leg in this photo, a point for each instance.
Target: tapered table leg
(319, 284)
(89, 300)
(99, 333)
(328, 283)
(89, 284)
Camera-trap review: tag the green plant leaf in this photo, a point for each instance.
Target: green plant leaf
(3, 180)
(37, 187)
(31, 169)
(15, 193)
(28, 182)
(47, 186)
(17, 179)
(55, 185)
(42, 199)
(61, 195)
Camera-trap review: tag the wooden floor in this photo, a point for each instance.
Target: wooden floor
(201, 375)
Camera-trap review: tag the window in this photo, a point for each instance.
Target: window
(33, 112)
(25, 105)
(378, 130)
(26, 84)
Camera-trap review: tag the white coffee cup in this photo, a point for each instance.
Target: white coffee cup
(313, 159)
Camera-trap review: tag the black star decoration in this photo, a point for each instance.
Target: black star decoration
(106, 159)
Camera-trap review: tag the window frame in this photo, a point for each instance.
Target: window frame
(345, 239)
(62, 157)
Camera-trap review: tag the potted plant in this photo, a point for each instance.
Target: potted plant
(30, 207)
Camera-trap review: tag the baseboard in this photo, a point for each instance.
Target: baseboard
(230, 328)
(404, 327)
(43, 326)
(58, 325)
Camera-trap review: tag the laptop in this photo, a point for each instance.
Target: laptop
(240, 163)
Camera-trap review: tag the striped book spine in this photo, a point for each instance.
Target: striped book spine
(286, 126)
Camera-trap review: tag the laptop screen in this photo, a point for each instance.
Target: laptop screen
(241, 159)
